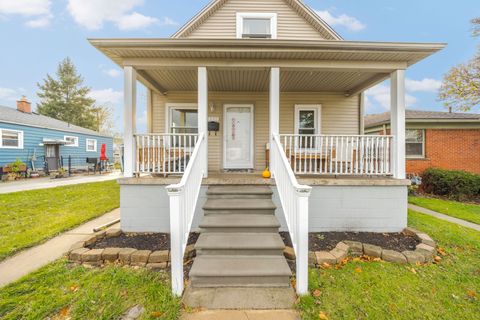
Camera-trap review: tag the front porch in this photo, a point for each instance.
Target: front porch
(294, 106)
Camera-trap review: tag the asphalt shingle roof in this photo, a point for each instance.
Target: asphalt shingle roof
(382, 118)
(33, 119)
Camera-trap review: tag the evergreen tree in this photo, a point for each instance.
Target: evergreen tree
(66, 98)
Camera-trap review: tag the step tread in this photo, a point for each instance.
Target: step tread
(239, 221)
(219, 204)
(239, 190)
(240, 266)
(226, 241)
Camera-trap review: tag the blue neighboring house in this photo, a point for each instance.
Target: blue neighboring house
(34, 139)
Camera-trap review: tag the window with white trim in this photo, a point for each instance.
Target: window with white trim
(11, 139)
(256, 25)
(307, 122)
(415, 143)
(72, 141)
(91, 145)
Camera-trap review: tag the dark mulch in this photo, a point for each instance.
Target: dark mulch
(140, 241)
(321, 241)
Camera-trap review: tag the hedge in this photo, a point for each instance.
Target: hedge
(459, 185)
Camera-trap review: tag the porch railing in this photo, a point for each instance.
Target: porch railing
(294, 200)
(164, 153)
(339, 154)
(183, 200)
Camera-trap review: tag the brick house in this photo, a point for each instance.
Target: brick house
(435, 139)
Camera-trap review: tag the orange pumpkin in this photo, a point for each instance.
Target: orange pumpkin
(266, 173)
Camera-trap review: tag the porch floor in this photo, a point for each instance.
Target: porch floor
(255, 178)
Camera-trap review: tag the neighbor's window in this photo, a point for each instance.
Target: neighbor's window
(11, 139)
(71, 141)
(91, 145)
(183, 120)
(307, 122)
(256, 25)
(414, 143)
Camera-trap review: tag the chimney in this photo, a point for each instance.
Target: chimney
(24, 105)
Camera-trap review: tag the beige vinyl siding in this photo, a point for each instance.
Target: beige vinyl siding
(222, 24)
(340, 115)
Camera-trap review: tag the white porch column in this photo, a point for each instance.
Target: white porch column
(397, 120)
(274, 108)
(130, 121)
(203, 110)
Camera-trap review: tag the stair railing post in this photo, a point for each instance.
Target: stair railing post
(302, 240)
(176, 246)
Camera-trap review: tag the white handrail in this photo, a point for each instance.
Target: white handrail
(183, 201)
(339, 154)
(294, 200)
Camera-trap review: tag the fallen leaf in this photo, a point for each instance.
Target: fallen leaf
(455, 297)
(412, 270)
(322, 316)
(156, 314)
(358, 269)
(73, 287)
(377, 259)
(434, 290)
(472, 294)
(294, 283)
(356, 259)
(316, 293)
(437, 258)
(441, 251)
(326, 265)
(124, 293)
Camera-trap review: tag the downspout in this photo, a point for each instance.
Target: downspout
(361, 111)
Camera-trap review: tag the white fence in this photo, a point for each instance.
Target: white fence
(164, 153)
(294, 200)
(183, 200)
(339, 154)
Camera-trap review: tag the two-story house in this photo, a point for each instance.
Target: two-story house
(241, 86)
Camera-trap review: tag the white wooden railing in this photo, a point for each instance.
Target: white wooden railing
(339, 154)
(294, 200)
(164, 153)
(183, 200)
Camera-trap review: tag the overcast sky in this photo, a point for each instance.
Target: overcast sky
(37, 34)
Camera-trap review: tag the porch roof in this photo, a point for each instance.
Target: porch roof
(242, 64)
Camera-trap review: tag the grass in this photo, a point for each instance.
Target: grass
(63, 291)
(465, 211)
(30, 217)
(380, 290)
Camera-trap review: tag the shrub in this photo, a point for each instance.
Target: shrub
(459, 185)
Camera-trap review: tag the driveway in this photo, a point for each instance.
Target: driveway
(47, 182)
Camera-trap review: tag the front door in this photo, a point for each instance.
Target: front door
(238, 136)
(52, 156)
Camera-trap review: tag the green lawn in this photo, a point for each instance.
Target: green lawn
(465, 211)
(30, 217)
(380, 290)
(62, 291)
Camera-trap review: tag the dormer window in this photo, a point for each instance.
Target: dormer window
(256, 25)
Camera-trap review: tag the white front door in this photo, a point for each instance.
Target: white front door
(238, 136)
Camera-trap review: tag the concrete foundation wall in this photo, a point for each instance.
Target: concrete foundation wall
(145, 208)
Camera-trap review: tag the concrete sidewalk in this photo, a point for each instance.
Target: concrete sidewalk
(26, 261)
(242, 315)
(47, 182)
(444, 217)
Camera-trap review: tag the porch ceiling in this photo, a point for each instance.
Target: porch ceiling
(245, 79)
(242, 65)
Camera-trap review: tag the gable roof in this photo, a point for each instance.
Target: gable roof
(372, 120)
(300, 8)
(11, 115)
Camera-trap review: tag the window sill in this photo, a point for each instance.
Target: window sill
(417, 158)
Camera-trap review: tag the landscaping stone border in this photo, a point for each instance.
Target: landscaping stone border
(154, 260)
(425, 251)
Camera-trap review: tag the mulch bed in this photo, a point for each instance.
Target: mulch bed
(140, 241)
(325, 241)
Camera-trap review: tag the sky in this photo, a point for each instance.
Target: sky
(37, 34)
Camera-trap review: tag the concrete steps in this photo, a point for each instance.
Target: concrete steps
(239, 245)
(236, 243)
(240, 271)
(245, 223)
(239, 205)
